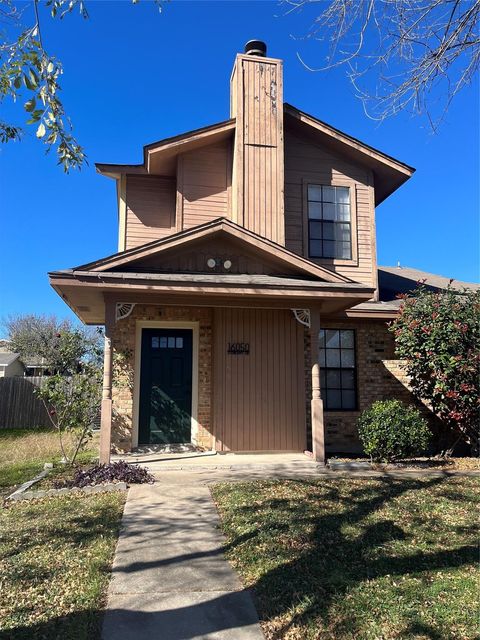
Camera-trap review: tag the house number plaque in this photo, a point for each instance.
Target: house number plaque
(239, 348)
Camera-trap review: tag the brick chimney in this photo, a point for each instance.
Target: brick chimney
(256, 101)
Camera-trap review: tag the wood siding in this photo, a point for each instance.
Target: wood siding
(306, 163)
(193, 259)
(150, 209)
(260, 397)
(257, 104)
(204, 181)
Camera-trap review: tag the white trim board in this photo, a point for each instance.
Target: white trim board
(165, 324)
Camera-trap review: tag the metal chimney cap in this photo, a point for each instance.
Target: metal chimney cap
(256, 48)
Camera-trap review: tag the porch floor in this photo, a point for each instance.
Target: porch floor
(209, 462)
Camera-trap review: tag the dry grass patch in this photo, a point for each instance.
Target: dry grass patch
(23, 453)
(357, 559)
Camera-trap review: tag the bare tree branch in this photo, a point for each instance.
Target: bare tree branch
(421, 53)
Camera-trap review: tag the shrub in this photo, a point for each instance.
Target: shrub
(116, 471)
(390, 430)
(438, 335)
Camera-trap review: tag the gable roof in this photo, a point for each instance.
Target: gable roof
(7, 357)
(261, 245)
(389, 173)
(159, 157)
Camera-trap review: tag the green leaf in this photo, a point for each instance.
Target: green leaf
(28, 82)
(17, 82)
(30, 105)
(33, 78)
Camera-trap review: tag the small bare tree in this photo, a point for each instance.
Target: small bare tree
(420, 52)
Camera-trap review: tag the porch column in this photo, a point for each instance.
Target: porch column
(106, 415)
(318, 431)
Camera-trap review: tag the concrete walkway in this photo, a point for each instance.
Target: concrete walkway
(170, 580)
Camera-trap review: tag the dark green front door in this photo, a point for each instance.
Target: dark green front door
(165, 386)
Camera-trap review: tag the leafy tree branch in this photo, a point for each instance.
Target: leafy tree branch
(28, 70)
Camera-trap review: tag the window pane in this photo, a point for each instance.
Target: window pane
(314, 192)
(329, 212)
(328, 194)
(342, 232)
(179, 343)
(315, 230)
(346, 337)
(343, 195)
(314, 210)
(322, 357)
(334, 399)
(333, 338)
(333, 358)
(333, 379)
(328, 249)
(348, 399)
(315, 248)
(171, 342)
(329, 230)
(155, 342)
(343, 250)
(163, 343)
(343, 212)
(348, 379)
(321, 337)
(348, 358)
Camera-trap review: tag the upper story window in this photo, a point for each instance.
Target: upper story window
(337, 368)
(329, 222)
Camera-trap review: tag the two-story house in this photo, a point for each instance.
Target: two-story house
(241, 310)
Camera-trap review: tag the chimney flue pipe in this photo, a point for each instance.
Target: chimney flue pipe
(256, 48)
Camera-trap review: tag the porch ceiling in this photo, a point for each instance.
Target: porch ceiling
(87, 292)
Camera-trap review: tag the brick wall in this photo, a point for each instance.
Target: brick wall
(123, 341)
(379, 377)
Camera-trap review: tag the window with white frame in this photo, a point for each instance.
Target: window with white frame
(329, 222)
(338, 369)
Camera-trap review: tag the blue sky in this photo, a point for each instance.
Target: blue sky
(133, 76)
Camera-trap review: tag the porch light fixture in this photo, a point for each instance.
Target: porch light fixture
(212, 263)
(227, 265)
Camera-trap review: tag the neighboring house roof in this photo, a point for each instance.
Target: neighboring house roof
(160, 157)
(7, 357)
(395, 280)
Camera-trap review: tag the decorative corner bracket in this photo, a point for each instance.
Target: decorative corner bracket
(302, 316)
(123, 310)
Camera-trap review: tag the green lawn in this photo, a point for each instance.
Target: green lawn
(357, 559)
(55, 559)
(23, 453)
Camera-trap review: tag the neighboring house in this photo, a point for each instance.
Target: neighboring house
(244, 247)
(11, 365)
(396, 280)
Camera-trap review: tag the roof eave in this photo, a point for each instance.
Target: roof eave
(395, 173)
(167, 144)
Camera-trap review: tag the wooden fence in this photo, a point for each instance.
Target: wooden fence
(19, 406)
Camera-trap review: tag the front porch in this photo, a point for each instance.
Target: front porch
(211, 337)
(248, 381)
